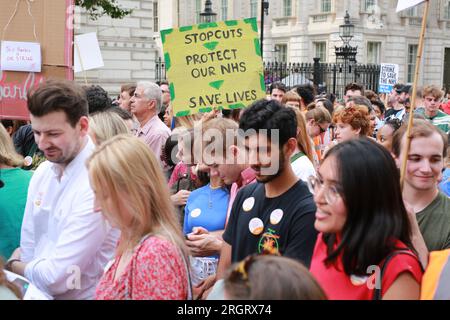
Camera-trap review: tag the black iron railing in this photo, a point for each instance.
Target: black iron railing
(326, 77)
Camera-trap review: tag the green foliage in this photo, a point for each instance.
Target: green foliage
(98, 8)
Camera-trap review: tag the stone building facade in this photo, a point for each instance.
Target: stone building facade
(128, 46)
(299, 30)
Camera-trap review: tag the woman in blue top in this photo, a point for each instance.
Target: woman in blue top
(206, 209)
(13, 194)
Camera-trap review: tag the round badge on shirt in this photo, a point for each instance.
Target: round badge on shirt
(248, 204)
(196, 212)
(276, 216)
(358, 280)
(28, 161)
(256, 226)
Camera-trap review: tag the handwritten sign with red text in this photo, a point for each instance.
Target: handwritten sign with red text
(20, 56)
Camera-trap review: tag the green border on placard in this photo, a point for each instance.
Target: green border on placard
(262, 82)
(164, 34)
(236, 106)
(207, 25)
(172, 92)
(231, 23)
(253, 22)
(205, 110)
(257, 46)
(183, 113)
(186, 28)
(167, 60)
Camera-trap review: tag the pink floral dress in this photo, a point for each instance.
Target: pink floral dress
(157, 271)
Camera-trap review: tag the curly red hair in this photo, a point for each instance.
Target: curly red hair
(356, 115)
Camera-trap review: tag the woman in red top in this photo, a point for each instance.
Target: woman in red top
(362, 223)
(132, 193)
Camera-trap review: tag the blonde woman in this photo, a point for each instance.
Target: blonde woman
(132, 193)
(105, 125)
(13, 194)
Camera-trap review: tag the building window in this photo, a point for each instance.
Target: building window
(412, 12)
(447, 10)
(412, 56)
(373, 52)
(198, 10)
(320, 51)
(281, 52)
(155, 17)
(369, 5)
(224, 9)
(253, 8)
(325, 6)
(287, 8)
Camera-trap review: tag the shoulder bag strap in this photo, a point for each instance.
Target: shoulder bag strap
(378, 291)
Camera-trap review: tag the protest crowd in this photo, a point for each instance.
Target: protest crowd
(121, 199)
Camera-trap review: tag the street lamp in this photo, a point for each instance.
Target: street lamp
(346, 53)
(264, 11)
(208, 15)
(346, 30)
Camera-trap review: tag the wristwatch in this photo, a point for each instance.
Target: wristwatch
(9, 264)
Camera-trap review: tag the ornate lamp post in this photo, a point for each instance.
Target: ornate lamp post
(346, 54)
(208, 15)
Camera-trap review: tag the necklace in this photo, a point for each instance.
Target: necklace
(211, 188)
(210, 197)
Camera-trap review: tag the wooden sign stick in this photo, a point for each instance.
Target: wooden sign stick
(414, 93)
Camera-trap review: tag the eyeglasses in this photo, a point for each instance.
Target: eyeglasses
(331, 193)
(322, 130)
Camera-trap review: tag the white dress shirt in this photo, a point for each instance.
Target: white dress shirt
(65, 243)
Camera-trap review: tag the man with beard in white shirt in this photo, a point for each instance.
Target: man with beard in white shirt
(65, 244)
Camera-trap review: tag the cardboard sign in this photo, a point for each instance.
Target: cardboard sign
(213, 65)
(405, 4)
(20, 56)
(87, 52)
(52, 19)
(388, 77)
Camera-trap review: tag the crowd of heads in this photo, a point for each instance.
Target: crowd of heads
(356, 147)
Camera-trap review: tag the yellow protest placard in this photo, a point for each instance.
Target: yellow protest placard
(213, 65)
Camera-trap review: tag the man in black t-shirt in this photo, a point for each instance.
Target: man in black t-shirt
(283, 223)
(276, 214)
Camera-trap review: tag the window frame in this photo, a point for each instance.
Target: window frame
(323, 53)
(411, 62)
(280, 54)
(365, 6)
(224, 9)
(254, 8)
(328, 3)
(286, 9)
(378, 53)
(155, 16)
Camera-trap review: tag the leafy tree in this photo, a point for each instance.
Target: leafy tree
(98, 8)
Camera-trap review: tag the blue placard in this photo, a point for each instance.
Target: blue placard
(385, 88)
